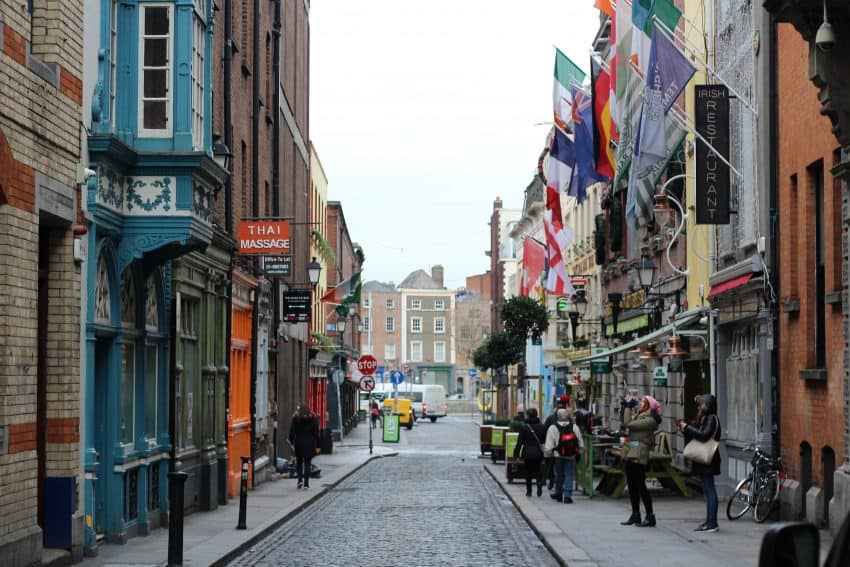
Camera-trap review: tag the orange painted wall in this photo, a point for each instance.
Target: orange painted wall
(239, 421)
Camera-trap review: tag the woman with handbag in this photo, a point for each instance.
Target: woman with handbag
(641, 429)
(529, 448)
(304, 438)
(701, 437)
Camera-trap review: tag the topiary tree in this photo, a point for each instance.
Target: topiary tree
(523, 316)
(498, 350)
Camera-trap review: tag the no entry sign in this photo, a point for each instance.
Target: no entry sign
(367, 365)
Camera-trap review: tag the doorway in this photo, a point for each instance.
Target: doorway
(806, 478)
(828, 462)
(101, 384)
(41, 371)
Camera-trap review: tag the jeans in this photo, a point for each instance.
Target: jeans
(636, 479)
(564, 476)
(302, 466)
(710, 492)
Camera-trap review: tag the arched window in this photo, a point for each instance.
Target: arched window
(128, 300)
(101, 293)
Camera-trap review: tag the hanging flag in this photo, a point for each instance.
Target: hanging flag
(667, 74)
(605, 6)
(612, 72)
(558, 237)
(603, 153)
(533, 265)
(621, 66)
(644, 13)
(347, 289)
(585, 173)
(664, 11)
(562, 160)
(566, 73)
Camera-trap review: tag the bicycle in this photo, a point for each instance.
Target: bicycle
(759, 491)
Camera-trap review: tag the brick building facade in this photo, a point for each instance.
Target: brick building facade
(40, 74)
(811, 366)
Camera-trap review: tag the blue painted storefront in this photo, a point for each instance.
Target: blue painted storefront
(149, 203)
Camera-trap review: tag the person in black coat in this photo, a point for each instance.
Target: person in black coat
(530, 447)
(705, 426)
(304, 438)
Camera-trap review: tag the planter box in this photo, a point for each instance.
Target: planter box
(485, 434)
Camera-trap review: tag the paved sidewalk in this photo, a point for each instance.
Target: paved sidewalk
(210, 538)
(588, 532)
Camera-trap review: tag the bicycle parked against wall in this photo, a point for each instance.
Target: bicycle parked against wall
(759, 491)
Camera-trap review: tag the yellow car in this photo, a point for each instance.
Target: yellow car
(405, 411)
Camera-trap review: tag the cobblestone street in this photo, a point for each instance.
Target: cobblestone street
(426, 507)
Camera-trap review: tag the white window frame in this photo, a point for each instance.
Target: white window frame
(416, 304)
(389, 325)
(439, 304)
(199, 35)
(367, 323)
(416, 324)
(439, 354)
(390, 352)
(169, 75)
(439, 325)
(390, 303)
(367, 303)
(414, 356)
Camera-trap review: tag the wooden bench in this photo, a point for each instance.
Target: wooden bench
(660, 468)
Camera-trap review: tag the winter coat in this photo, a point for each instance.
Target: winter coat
(304, 436)
(527, 438)
(641, 431)
(707, 428)
(553, 435)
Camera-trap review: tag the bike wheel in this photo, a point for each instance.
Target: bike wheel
(766, 498)
(739, 503)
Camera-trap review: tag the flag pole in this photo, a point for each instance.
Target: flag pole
(683, 122)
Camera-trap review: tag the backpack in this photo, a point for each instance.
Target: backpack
(567, 441)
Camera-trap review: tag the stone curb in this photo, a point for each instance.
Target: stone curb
(288, 515)
(546, 530)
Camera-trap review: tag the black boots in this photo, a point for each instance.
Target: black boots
(528, 491)
(539, 490)
(649, 522)
(633, 519)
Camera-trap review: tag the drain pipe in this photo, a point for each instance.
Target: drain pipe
(276, 208)
(255, 212)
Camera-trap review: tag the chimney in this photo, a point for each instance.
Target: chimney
(437, 274)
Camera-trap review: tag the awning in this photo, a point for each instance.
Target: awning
(730, 284)
(684, 319)
(628, 325)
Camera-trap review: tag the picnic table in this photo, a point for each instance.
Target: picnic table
(661, 468)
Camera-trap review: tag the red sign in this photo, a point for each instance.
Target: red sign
(367, 384)
(263, 237)
(367, 365)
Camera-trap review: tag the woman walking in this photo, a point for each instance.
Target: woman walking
(530, 447)
(705, 426)
(641, 430)
(304, 437)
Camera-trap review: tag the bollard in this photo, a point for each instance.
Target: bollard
(176, 482)
(243, 495)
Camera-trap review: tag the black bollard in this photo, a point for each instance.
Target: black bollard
(176, 482)
(243, 495)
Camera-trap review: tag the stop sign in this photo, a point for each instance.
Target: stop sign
(367, 365)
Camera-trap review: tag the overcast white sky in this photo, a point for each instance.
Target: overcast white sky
(423, 112)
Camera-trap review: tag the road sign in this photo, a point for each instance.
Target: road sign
(473, 372)
(367, 383)
(367, 365)
(396, 377)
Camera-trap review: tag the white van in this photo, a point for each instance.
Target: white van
(429, 400)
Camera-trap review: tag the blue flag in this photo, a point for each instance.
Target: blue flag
(585, 169)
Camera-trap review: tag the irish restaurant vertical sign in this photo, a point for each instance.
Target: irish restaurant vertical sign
(711, 112)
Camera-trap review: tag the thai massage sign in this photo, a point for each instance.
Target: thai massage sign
(263, 237)
(711, 111)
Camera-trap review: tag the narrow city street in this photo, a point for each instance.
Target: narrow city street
(432, 504)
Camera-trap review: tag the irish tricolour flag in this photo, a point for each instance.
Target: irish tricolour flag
(567, 73)
(348, 291)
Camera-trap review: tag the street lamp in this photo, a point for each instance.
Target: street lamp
(314, 269)
(340, 325)
(221, 153)
(646, 269)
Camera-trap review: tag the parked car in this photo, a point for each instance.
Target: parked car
(797, 544)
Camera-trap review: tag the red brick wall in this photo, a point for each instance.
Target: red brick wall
(17, 181)
(809, 412)
(480, 283)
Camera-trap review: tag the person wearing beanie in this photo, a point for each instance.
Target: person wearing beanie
(641, 430)
(705, 426)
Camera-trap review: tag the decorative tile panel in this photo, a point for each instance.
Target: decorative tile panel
(110, 189)
(202, 203)
(149, 196)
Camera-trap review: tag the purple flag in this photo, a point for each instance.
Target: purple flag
(667, 74)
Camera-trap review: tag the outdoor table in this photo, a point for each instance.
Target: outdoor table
(661, 468)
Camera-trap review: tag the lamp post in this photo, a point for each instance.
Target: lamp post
(340, 327)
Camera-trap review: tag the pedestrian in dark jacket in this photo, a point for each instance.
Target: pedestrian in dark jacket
(705, 426)
(552, 419)
(529, 447)
(304, 437)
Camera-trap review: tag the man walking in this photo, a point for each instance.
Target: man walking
(563, 445)
(560, 403)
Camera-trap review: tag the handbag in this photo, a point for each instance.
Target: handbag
(701, 452)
